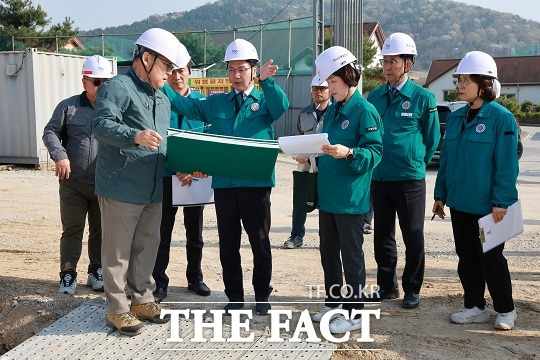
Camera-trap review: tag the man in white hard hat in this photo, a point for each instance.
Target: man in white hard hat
(411, 135)
(73, 148)
(244, 112)
(310, 121)
(193, 215)
(130, 122)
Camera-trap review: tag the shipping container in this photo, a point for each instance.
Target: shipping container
(32, 83)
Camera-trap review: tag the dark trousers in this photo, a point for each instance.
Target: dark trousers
(298, 223)
(408, 200)
(341, 239)
(475, 268)
(193, 223)
(77, 199)
(250, 207)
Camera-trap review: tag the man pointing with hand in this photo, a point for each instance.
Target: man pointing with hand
(249, 113)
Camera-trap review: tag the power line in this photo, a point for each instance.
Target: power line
(265, 25)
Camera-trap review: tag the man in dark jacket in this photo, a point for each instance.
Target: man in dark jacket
(73, 148)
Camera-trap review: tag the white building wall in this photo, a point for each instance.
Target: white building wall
(523, 92)
(442, 84)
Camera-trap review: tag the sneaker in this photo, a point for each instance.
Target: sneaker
(160, 294)
(505, 321)
(341, 325)
(150, 311)
(368, 229)
(199, 288)
(68, 284)
(472, 315)
(318, 316)
(126, 323)
(294, 241)
(95, 280)
(410, 301)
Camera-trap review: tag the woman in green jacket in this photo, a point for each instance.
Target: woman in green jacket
(477, 176)
(354, 131)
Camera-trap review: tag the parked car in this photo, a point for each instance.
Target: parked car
(446, 108)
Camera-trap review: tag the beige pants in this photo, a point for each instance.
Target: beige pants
(130, 241)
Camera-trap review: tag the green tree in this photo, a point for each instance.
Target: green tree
(195, 46)
(527, 106)
(372, 78)
(511, 104)
(20, 19)
(453, 95)
(368, 50)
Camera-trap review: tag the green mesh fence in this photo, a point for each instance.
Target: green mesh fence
(288, 43)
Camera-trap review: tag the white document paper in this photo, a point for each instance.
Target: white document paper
(303, 146)
(493, 234)
(199, 193)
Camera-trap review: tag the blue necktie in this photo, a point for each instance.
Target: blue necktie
(393, 90)
(239, 101)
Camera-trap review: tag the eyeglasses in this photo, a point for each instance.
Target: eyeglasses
(169, 65)
(96, 82)
(463, 82)
(318, 88)
(240, 71)
(394, 62)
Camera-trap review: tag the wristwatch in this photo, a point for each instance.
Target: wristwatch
(350, 154)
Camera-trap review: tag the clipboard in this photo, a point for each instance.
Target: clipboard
(493, 234)
(199, 193)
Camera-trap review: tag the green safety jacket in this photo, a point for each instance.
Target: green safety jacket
(479, 165)
(411, 131)
(343, 185)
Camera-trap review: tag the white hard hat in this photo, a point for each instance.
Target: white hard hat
(182, 57)
(241, 49)
(331, 60)
(497, 88)
(161, 41)
(477, 63)
(317, 81)
(399, 44)
(97, 67)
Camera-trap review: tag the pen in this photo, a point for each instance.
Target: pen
(433, 217)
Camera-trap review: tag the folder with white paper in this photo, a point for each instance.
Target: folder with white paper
(221, 155)
(199, 193)
(493, 234)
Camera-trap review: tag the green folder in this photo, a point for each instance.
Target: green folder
(221, 155)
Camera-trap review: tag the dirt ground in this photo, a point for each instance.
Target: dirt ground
(29, 249)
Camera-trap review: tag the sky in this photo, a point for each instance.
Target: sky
(103, 13)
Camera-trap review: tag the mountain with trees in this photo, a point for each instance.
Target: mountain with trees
(442, 29)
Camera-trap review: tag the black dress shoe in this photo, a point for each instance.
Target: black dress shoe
(382, 295)
(160, 294)
(199, 288)
(262, 306)
(234, 304)
(410, 301)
